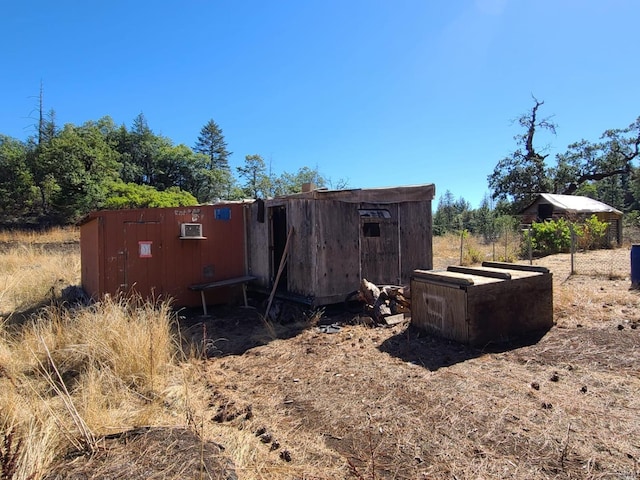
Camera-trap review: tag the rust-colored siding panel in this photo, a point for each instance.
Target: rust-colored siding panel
(90, 257)
(143, 253)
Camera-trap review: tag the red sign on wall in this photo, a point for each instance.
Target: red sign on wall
(144, 249)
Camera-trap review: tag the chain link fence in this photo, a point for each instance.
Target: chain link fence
(512, 246)
(614, 262)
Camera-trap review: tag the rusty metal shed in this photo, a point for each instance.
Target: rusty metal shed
(160, 252)
(331, 239)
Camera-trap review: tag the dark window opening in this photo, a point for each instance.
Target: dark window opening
(371, 229)
(545, 211)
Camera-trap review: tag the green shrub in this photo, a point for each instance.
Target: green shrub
(591, 233)
(472, 255)
(554, 236)
(130, 195)
(548, 237)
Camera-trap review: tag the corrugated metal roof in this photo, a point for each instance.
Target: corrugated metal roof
(577, 204)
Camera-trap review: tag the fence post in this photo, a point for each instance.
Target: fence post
(530, 246)
(461, 244)
(506, 242)
(573, 247)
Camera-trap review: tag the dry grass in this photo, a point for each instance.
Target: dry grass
(58, 235)
(291, 402)
(452, 249)
(31, 274)
(69, 377)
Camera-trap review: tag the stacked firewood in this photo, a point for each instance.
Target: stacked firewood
(385, 304)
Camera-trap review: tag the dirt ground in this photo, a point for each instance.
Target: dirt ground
(295, 400)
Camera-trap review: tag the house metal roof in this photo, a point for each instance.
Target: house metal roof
(577, 204)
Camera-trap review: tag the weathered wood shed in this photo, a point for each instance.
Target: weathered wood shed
(160, 252)
(338, 237)
(548, 206)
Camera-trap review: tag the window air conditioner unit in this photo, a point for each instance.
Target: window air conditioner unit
(191, 230)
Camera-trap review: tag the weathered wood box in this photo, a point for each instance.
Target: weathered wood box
(495, 303)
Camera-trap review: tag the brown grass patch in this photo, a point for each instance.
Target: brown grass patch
(56, 235)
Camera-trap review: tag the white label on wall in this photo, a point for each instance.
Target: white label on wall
(144, 249)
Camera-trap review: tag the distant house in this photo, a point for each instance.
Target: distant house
(549, 206)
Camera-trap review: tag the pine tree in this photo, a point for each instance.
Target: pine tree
(211, 143)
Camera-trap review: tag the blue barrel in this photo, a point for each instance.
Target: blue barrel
(635, 265)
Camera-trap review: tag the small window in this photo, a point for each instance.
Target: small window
(370, 229)
(545, 211)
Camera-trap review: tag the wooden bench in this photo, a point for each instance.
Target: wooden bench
(202, 287)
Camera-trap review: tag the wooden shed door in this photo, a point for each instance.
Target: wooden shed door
(143, 258)
(379, 247)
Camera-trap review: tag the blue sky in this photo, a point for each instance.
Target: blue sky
(379, 93)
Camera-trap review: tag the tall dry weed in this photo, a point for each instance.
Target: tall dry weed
(73, 375)
(27, 423)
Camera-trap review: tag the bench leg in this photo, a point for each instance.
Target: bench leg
(244, 294)
(204, 302)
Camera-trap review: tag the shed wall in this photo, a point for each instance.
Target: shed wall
(140, 251)
(332, 248)
(337, 270)
(90, 258)
(416, 238)
(301, 267)
(258, 246)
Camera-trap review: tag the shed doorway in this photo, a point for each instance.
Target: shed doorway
(278, 240)
(379, 244)
(143, 258)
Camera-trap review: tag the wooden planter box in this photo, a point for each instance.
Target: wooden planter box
(495, 303)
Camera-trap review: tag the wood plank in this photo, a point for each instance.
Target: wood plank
(480, 272)
(283, 262)
(443, 277)
(394, 319)
(221, 283)
(516, 266)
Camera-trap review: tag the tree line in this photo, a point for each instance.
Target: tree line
(59, 175)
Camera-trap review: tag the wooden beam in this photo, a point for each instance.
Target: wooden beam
(283, 261)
